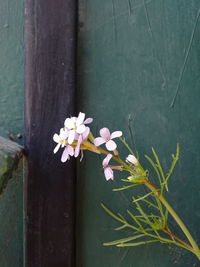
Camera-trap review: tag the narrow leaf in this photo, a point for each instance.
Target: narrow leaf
(158, 163)
(135, 219)
(137, 243)
(121, 227)
(124, 187)
(123, 140)
(150, 204)
(155, 168)
(145, 196)
(124, 240)
(173, 164)
(112, 214)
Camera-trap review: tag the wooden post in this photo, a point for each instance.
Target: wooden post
(49, 98)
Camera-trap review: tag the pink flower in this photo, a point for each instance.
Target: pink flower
(81, 139)
(68, 151)
(108, 172)
(106, 137)
(76, 126)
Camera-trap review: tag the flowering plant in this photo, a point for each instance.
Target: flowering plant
(151, 221)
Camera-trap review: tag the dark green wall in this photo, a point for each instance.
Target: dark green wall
(11, 220)
(139, 58)
(11, 67)
(11, 124)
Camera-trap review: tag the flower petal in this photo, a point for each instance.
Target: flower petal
(132, 159)
(56, 138)
(116, 134)
(99, 141)
(105, 133)
(77, 149)
(106, 160)
(69, 123)
(111, 145)
(56, 148)
(80, 129)
(71, 137)
(70, 150)
(81, 155)
(76, 136)
(65, 155)
(88, 120)
(108, 172)
(80, 119)
(86, 133)
(63, 134)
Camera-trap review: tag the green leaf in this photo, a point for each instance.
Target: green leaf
(135, 219)
(112, 214)
(145, 196)
(155, 168)
(173, 164)
(124, 240)
(137, 243)
(150, 203)
(158, 164)
(123, 140)
(121, 227)
(124, 187)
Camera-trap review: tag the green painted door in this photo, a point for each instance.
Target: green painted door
(139, 62)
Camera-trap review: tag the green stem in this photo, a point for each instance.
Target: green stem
(153, 188)
(116, 158)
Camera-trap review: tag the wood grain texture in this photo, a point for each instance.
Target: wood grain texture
(49, 98)
(10, 155)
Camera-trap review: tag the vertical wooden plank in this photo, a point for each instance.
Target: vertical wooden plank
(49, 98)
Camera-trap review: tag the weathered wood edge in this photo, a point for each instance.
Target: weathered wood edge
(50, 53)
(10, 155)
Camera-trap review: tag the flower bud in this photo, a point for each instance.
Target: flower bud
(132, 159)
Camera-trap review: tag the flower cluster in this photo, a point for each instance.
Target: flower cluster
(73, 137)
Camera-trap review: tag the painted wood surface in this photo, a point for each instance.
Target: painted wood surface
(10, 155)
(50, 84)
(139, 64)
(11, 126)
(11, 204)
(11, 69)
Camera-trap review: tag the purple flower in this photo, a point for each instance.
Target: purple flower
(108, 172)
(106, 137)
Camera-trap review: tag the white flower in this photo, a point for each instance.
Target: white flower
(75, 129)
(76, 126)
(59, 139)
(132, 159)
(68, 151)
